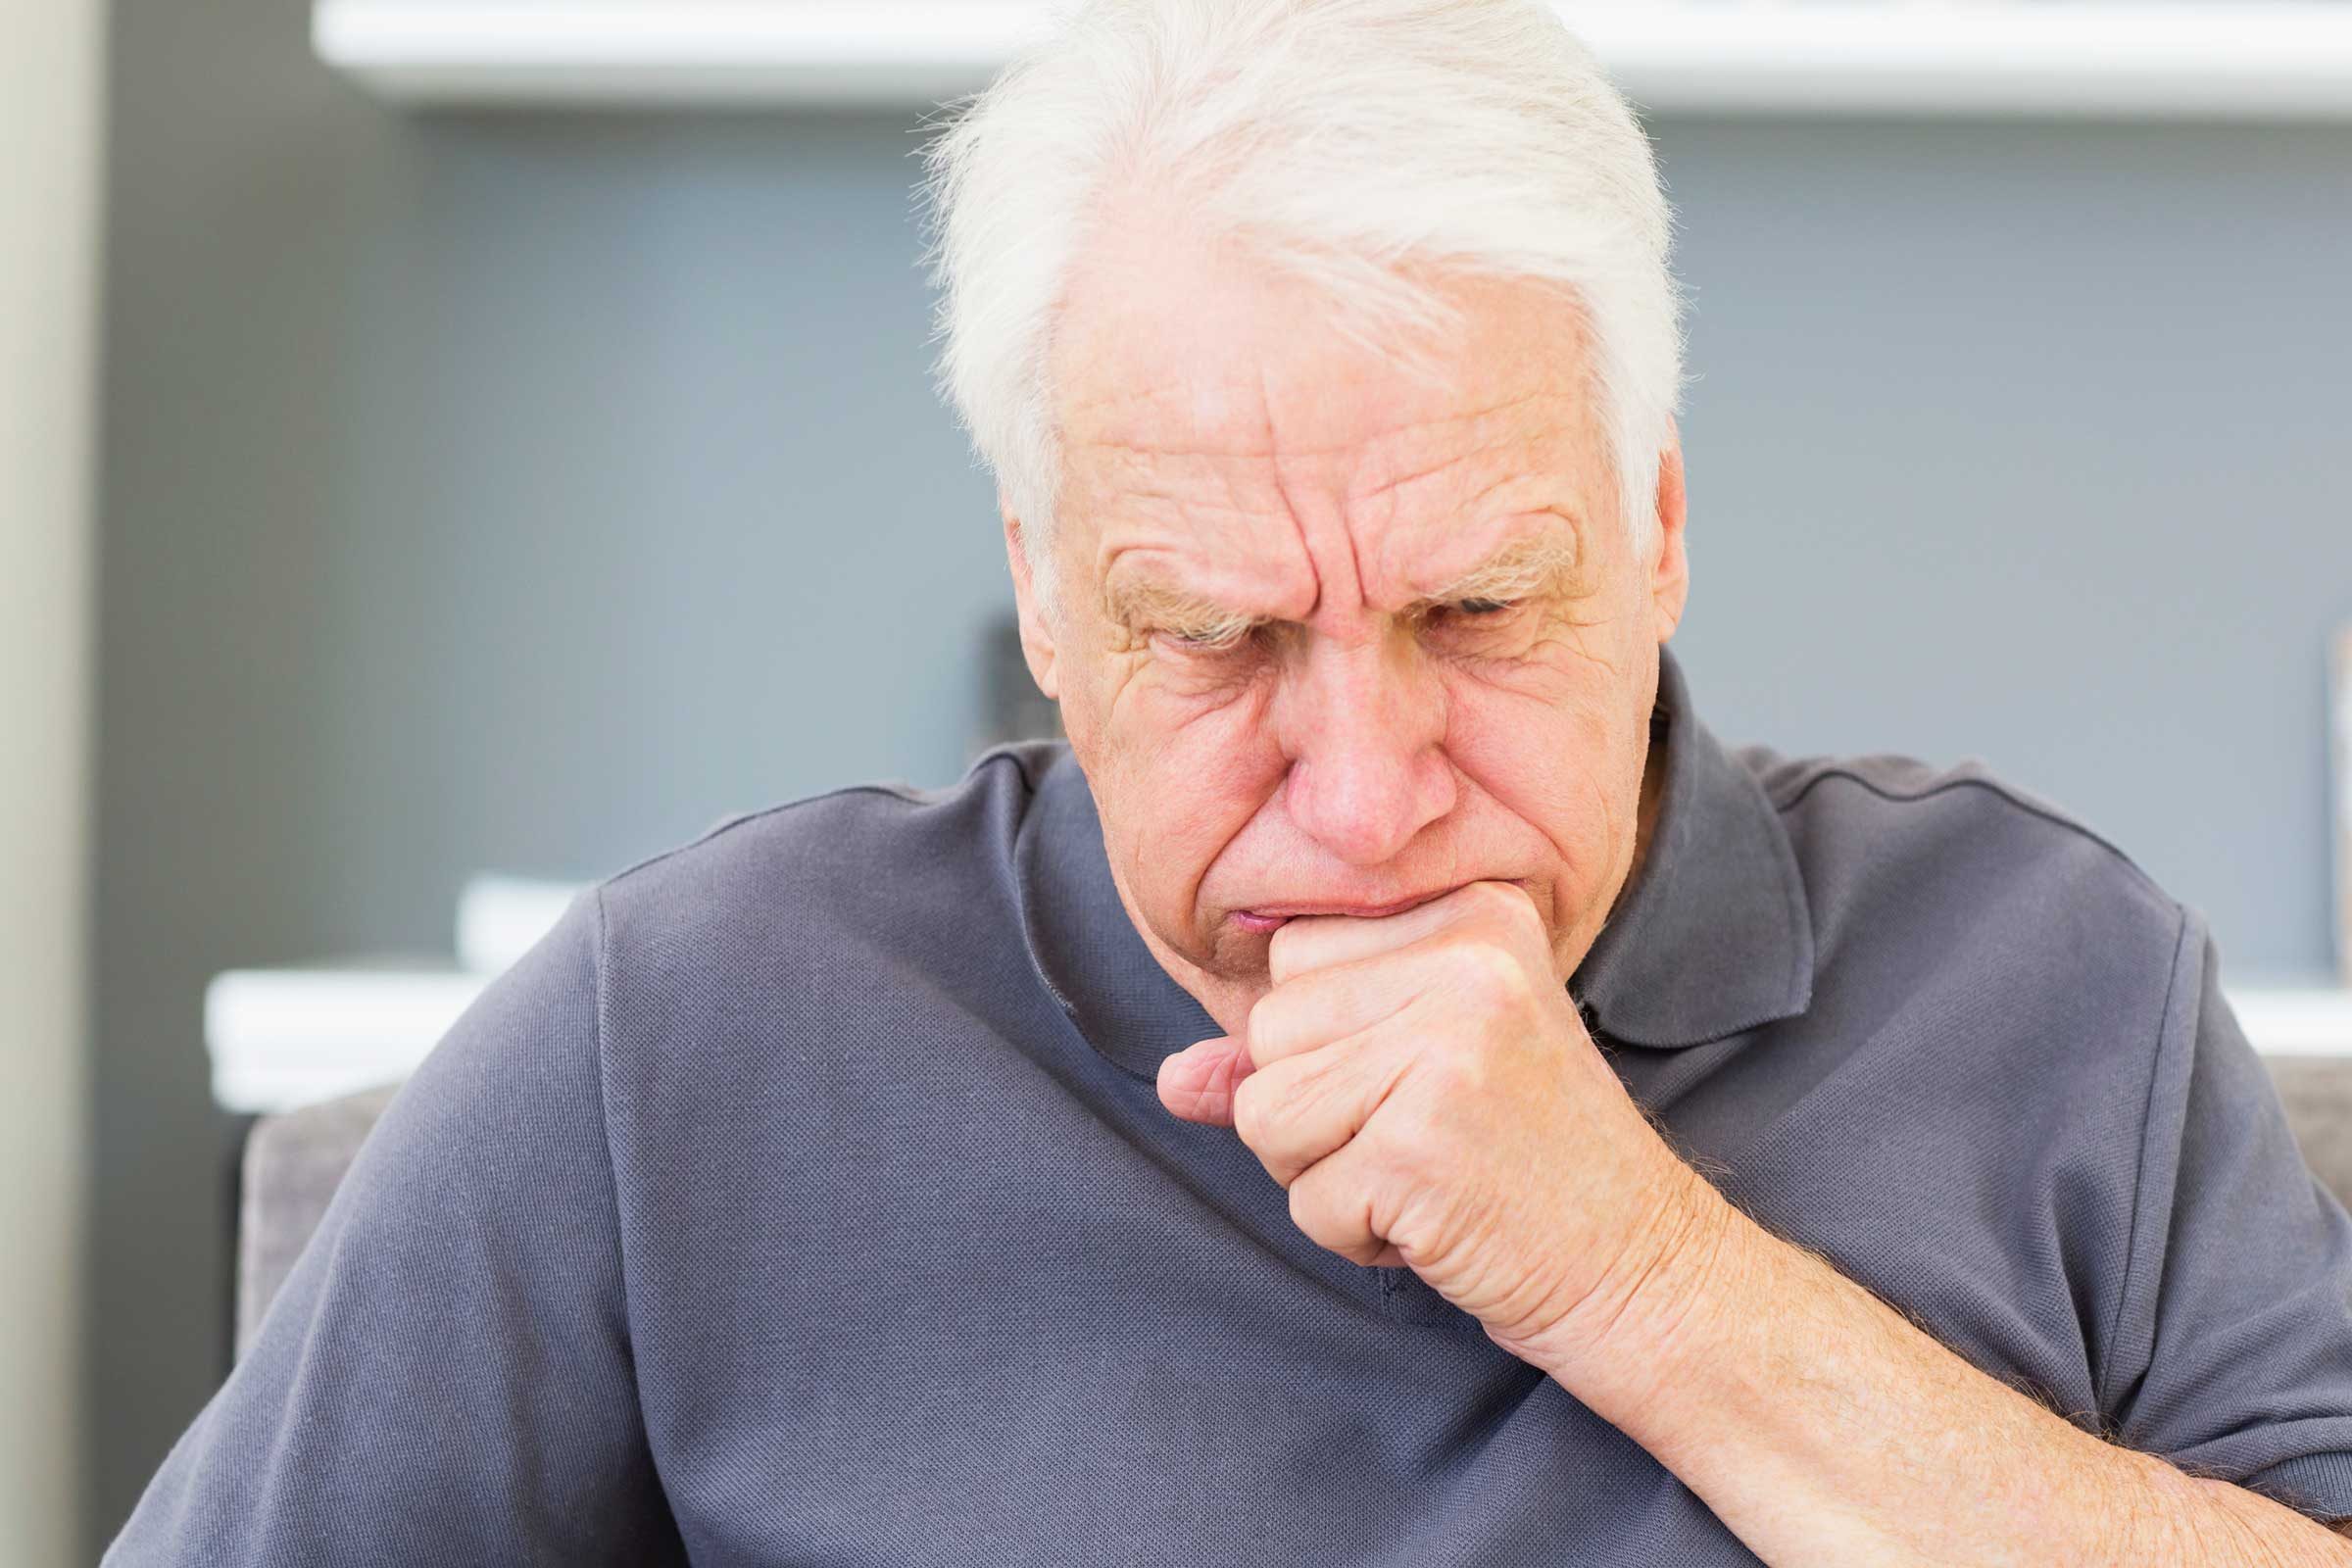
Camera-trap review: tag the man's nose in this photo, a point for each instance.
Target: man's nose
(1362, 723)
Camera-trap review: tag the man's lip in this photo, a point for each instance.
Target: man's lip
(1360, 911)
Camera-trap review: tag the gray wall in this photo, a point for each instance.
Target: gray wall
(520, 493)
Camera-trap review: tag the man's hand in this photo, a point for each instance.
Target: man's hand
(1424, 1090)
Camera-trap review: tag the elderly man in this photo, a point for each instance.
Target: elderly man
(1393, 1088)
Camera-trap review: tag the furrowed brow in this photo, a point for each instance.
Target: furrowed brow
(1514, 573)
(1139, 601)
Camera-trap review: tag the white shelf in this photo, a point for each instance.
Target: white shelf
(500, 919)
(285, 1038)
(2294, 1021)
(2263, 60)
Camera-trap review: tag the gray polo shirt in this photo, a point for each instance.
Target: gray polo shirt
(804, 1199)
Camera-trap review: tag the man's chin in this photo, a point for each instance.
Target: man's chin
(1231, 952)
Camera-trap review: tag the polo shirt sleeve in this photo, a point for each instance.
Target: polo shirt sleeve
(445, 1376)
(2233, 1351)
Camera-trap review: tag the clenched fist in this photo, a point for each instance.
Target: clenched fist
(1424, 1090)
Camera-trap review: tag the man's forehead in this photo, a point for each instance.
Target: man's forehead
(1317, 408)
(1421, 506)
(1249, 448)
(1220, 401)
(1228, 434)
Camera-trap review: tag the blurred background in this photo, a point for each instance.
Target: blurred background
(474, 439)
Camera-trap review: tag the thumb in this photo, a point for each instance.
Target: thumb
(1197, 1082)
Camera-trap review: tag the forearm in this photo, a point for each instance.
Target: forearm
(1825, 1429)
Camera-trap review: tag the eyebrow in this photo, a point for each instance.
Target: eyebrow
(1515, 571)
(1140, 600)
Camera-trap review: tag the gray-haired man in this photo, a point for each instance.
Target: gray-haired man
(1392, 1088)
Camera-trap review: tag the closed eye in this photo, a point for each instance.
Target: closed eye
(1477, 623)
(1470, 608)
(1205, 639)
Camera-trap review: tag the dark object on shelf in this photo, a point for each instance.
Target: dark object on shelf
(1012, 709)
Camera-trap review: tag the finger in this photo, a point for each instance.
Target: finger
(1334, 1204)
(1310, 1013)
(1197, 1082)
(1302, 1109)
(1314, 942)
(1318, 942)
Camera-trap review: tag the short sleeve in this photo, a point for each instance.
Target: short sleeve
(2232, 1347)
(446, 1377)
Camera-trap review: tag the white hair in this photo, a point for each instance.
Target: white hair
(1345, 141)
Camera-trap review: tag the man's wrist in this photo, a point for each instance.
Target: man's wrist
(1653, 1312)
(1679, 1356)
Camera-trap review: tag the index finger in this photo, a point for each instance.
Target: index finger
(1319, 941)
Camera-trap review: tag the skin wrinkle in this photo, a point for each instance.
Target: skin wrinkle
(1315, 1072)
(1282, 490)
(1153, 450)
(1540, 567)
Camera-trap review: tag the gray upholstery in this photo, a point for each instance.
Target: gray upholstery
(293, 1161)
(2318, 1090)
(292, 1165)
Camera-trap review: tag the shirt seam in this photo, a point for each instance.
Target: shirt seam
(897, 791)
(1990, 786)
(2134, 1248)
(603, 1127)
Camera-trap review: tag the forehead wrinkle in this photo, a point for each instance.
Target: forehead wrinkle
(1131, 443)
(1231, 497)
(1282, 489)
(1524, 490)
(1453, 489)
(1530, 564)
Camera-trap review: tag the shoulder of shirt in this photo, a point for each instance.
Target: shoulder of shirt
(1911, 812)
(1936, 881)
(870, 839)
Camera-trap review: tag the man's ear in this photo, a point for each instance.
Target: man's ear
(1670, 575)
(1037, 638)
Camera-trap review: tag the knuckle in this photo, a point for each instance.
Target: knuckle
(1507, 906)
(1457, 1076)
(1301, 1206)
(1281, 952)
(1265, 1026)
(1250, 1108)
(1485, 970)
(1309, 1205)
(1410, 1128)
(1499, 898)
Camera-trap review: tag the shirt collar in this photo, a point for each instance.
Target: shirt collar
(1713, 938)
(1716, 936)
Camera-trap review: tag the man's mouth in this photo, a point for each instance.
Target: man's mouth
(1272, 916)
